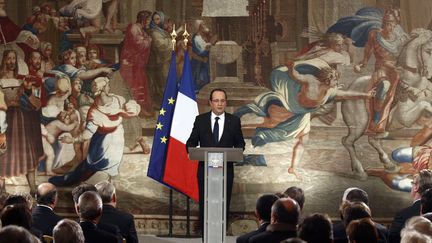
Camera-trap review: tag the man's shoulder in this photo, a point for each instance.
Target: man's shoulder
(116, 213)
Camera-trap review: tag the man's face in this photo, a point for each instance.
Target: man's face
(35, 60)
(11, 61)
(337, 46)
(93, 54)
(389, 26)
(218, 102)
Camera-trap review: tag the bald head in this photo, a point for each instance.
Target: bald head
(89, 206)
(285, 210)
(46, 194)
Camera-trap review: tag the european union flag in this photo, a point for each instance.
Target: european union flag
(163, 125)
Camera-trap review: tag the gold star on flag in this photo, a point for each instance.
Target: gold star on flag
(159, 126)
(162, 112)
(171, 101)
(163, 139)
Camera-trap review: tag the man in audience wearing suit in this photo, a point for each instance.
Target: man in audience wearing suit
(89, 210)
(353, 195)
(263, 214)
(285, 215)
(81, 189)
(111, 215)
(216, 128)
(421, 182)
(44, 218)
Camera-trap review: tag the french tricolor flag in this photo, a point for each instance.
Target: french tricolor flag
(180, 172)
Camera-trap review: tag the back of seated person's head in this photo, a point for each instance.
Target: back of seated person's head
(426, 201)
(420, 224)
(17, 214)
(24, 199)
(285, 210)
(264, 205)
(79, 190)
(413, 236)
(297, 194)
(362, 231)
(293, 240)
(423, 180)
(106, 190)
(89, 206)
(316, 228)
(354, 210)
(68, 231)
(355, 194)
(46, 194)
(16, 234)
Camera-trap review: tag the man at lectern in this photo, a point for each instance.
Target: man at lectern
(216, 128)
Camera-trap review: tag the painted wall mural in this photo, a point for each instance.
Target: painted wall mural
(331, 94)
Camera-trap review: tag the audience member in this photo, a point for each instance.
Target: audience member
(68, 231)
(16, 234)
(89, 210)
(20, 215)
(111, 215)
(84, 187)
(263, 214)
(420, 224)
(24, 199)
(316, 228)
(297, 194)
(285, 215)
(43, 215)
(80, 189)
(362, 231)
(411, 236)
(426, 202)
(421, 182)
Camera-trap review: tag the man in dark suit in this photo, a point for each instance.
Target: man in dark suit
(421, 182)
(216, 129)
(111, 215)
(89, 210)
(263, 214)
(285, 215)
(44, 218)
(81, 189)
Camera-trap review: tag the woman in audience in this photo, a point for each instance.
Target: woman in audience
(362, 231)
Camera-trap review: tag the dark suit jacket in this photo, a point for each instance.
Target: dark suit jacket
(399, 221)
(232, 136)
(245, 238)
(94, 235)
(124, 221)
(339, 233)
(44, 219)
(274, 234)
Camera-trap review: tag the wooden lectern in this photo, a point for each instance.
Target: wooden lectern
(215, 183)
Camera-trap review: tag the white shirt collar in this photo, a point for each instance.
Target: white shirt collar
(213, 116)
(41, 205)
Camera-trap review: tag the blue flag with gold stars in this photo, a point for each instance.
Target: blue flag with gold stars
(163, 125)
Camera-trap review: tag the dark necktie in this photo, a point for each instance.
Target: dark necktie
(216, 130)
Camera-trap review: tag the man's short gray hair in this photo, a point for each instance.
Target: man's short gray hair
(106, 190)
(67, 231)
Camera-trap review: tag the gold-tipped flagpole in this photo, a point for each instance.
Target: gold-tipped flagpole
(173, 38)
(185, 36)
